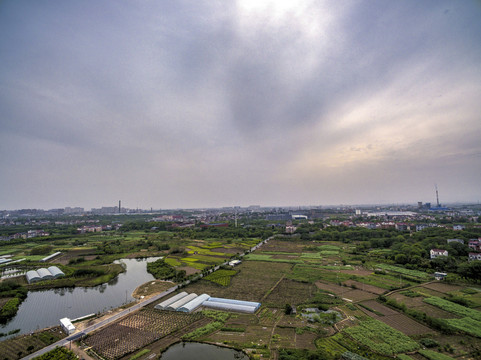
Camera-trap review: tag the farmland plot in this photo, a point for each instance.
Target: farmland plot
(381, 338)
(136, 331)
(251, 283)
(366, 287)
(395, 319)
(358, 295)
(346, 292)
(290, 292)
(442, 287)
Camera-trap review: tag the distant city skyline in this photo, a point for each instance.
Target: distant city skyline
(211, 104)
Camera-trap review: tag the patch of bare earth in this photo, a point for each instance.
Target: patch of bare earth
(442, 287)
(358, 295)
(188, 270)
(395, 319)
(152, 288)
(359, 272)
(365, 287)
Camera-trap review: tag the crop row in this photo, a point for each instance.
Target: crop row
(137, 331)
(404, 271)
(467, 325)
(453, 308)
(268, 258)
(381, 338)
(221, 277)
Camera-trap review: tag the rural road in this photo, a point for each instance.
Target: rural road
(102, 323)
(119, 315)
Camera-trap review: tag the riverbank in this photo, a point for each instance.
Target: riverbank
(151, 288)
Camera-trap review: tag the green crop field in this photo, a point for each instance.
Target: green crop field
(454, 308)
(381, 338)
(432, 355)
(269, 258)
(404, 271)
(467, 325)
(221, 277)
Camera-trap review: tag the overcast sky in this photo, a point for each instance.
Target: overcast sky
(177, 104)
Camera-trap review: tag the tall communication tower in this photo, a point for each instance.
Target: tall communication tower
(437, 195)
(119, 207)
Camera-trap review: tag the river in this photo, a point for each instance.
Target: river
(45, 308)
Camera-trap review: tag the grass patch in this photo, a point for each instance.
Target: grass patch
(268, 258)
(404, 271)
(221, 277)
(467, 325)
(381, 338)
(433, 355)
(316, 256)
(172, 262)
(453, 308)
(139, 354)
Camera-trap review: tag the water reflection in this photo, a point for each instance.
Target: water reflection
(44, 308)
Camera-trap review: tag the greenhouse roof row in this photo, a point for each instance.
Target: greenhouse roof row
(189, 302)
(51, 273)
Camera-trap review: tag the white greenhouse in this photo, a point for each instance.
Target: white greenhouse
(56, 272)
(181, 302)
(163, 305)
(194, 304)
(45, 274)
(230, 307)
(236, 302)
(32, 276)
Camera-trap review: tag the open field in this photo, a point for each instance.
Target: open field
(346, 292)
(290, 292)
(20, 346)
(381, 338)
(442, 287)
(251, 283)
(396, 320)
(136, 331)
(151, 288)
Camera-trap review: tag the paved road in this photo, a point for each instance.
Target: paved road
(121, 314)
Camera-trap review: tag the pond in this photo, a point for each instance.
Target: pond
(198, 351)
(45, 308)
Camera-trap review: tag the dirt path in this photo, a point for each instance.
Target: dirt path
(272, 289)
(80, 352)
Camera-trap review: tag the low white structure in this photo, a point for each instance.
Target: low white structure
(163, 305)
(232, 305)
(51, 273)
(194, 303)
(45, 274)
(67, 326)
(234, 262)
(440, 275)
(56, 272)
(51, 256)
(434, 253)
(474, 256)
(32, 276)
(181, 302)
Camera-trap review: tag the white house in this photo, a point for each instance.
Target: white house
(437, 252)
(67, 326)
(474, 256)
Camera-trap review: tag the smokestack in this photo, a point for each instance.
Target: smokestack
(119, 206)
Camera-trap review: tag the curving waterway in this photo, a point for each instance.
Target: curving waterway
(45, 308)
(198, 351)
